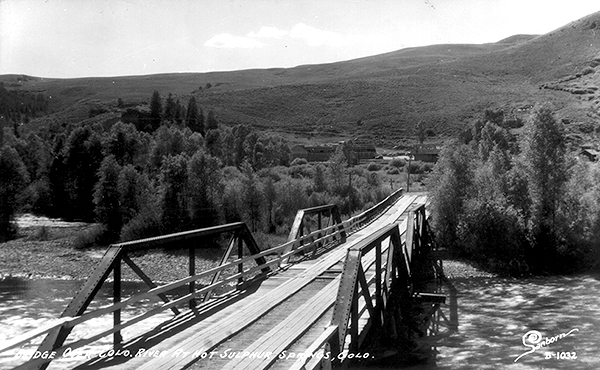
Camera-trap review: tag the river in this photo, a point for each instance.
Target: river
(494, 316)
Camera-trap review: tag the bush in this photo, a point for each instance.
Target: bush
(145, 224)
(298, 161)
(415, 167)
(373, 166)
(587, 71)
(393, 171)
(397, 162)
(95, 236)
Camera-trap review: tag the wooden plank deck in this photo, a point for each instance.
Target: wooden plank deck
(271, 317)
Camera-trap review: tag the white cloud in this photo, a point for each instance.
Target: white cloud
(269, 32)
(316, 37)
(227, 40)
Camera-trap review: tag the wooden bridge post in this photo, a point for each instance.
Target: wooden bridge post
(378, 296)
(240, 255)
(117, 337)
(192, 272)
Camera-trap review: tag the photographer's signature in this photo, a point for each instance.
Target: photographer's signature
(533, 340)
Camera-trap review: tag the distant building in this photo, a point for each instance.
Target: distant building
(364, 151)
(426, 153)
(322, 153)
(588, 152)
(313, 153)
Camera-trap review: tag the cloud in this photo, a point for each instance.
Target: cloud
(316, 37)
(269, 33)
(227, 40)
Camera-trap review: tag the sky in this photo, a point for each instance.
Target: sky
(83, 38)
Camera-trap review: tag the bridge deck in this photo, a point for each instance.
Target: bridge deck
(287, 311)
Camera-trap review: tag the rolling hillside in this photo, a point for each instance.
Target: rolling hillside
(380, 97)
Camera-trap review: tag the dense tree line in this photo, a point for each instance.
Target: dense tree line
(519, 206)
(165, 175)
(18, 107)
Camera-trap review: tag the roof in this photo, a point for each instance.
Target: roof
(593, 152)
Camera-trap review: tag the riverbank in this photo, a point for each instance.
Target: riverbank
(47, 251)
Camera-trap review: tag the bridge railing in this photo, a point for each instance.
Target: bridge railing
(305, 220)
(378, 275)
(74, 314)
(117, 254)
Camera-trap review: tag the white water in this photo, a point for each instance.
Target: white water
(493, 316)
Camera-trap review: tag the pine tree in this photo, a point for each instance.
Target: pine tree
(194, 119)
(170, 109)
(155, 110)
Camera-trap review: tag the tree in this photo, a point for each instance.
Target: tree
(194, 120)
(421, 132)
(106, 196)
(545, 165)
(319, 179)
(211, 121)
(270, 195)
(133, 188)
(337, 170)
(57, 176)
(123, 142)
(13, 180)
(252, 197)
(452, 183)
(83, 155)
(173, 180)
(240, 132)
(204, 177)
(180, 113)
(155, 110)
(213, 142)
(170, 109)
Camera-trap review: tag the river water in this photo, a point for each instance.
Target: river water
(494, 315)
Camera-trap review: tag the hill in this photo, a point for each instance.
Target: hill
(380, 98)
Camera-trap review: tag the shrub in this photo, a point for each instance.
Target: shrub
(41, 234)
(144, 225)
(587, 71)
(298, 161)
(95, 236)
(397, 162)
(373, 166)
(393, 171)
(415, 167)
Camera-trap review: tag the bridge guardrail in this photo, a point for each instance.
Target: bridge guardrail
(375, 279)
(74, 314)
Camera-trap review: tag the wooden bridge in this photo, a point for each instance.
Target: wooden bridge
(314, 302)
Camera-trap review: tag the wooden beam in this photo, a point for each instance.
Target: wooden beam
(138, 271)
